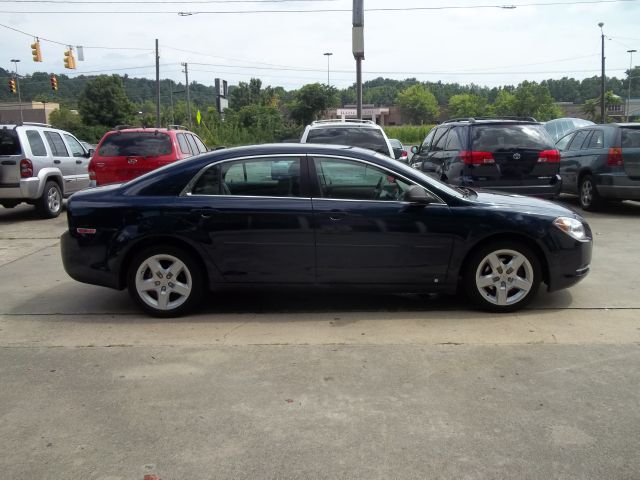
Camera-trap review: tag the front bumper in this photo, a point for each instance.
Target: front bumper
(569, 264)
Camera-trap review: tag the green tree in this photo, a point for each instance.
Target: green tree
(504, 104)
(65, 119)
(311, 100)
(103, 101)
(418, 104)
(467, 105)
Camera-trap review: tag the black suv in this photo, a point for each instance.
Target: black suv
(515, 155)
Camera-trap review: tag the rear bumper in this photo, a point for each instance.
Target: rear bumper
(27, 189)
(547, 190)
(618, 186)
(84, 260)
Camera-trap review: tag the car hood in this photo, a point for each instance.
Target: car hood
(523, 204)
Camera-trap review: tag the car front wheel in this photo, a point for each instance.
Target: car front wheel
(165, 281)
(502, 277)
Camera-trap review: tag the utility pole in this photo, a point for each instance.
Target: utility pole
(186, 75)
(630, 52)
(15, 62)
(357, 36)
(157, 86)
(602, 80)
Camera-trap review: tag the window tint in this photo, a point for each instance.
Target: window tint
(454, 142)
(192, 144)
(578, 140)
(351, 180)
(596, 140)
(494, 138)
(201, 146)
(427, 140)
(57, 145)
(9, 143)
(143, 144)
(76, 149)
(37, 145)
(184, 148)
(630, 137)
(439, 139)
(370, 138)
(563, 142)
(267, 177)
(395, 143)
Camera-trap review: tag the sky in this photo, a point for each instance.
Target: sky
(468, 41)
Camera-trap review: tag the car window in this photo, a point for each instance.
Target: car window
(578, 140)
(371, 138)
(395, 143)
(353, 180)
(57, 145)
(76, 149)
(37, 145)
(201, 146)
(454, 142)
(596, 140)
(630, 137)
(563, 142)
(427, 140)
(494, 138)
(192, 144)
(439, 139)
(264, 177)
(9, 142)
(182, 142)
(139, 144)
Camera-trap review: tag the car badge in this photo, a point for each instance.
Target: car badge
(517, 156)
(132, 160)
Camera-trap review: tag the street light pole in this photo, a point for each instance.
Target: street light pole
(186, 75)
(630, 52)
(15, 62)
(328, 55)
(602, 81)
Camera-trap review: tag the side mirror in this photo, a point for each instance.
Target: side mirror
(415, 149)
(90, 153)
(417, 195)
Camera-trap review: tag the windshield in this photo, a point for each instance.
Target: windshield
(370, 138)
(139, 144)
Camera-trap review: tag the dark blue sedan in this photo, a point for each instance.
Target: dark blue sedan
(301, 215)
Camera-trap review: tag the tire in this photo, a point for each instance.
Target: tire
(590, 199)
(487, 277)
(165, 281)
(49, 205)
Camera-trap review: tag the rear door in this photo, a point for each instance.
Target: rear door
(573, 160)
(10, 156)
(516, 150)
(62, 159)
(81, 161)
(630, 143)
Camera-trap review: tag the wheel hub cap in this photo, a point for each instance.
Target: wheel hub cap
(504, 277)
(163, 282)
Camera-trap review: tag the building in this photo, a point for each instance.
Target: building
(38, 112)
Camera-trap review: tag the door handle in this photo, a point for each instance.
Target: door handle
(206, 212)
(79, 162)
(57, 162)
(337, 215)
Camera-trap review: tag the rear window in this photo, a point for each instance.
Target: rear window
(491, 138)
(630, 138)
(139, 144)
(9, 144)
(370, 138)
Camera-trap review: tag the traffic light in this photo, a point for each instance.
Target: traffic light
(54, 82)
(35, 51)
(12, 85)
(69, 60)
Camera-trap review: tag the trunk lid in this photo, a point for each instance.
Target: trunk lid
(10, 156)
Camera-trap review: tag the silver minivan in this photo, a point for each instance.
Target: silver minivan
(40, 165)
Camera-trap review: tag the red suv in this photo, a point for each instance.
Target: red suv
(126, 153)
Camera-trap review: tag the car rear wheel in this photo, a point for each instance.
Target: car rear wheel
(49, 205)
(165, 281)
(590, 199)
(502, 277)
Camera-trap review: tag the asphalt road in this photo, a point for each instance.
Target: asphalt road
(317, 385)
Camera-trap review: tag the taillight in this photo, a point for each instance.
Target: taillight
(26, 168)
(549, 156)
(473, 157)
(92, 174)
(404, 154)
(614, 159)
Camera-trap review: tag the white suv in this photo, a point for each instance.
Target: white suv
(354, 133)
(40, 165)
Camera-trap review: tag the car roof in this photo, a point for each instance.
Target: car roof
(349, 123)
(491, 121)
(143, 129)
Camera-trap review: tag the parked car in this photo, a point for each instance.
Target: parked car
(511, 155)
(295, 215)
(559, 127)
(601, 162)
(399, 152)
(40, 165)
(126, 153)
(351, 132)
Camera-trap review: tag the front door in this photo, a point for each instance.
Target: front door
(366, 233)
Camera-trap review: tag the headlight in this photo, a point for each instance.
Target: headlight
(572, 227)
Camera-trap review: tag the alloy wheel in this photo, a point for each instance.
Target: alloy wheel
(54, 200)
(504, 277)
(163, 282)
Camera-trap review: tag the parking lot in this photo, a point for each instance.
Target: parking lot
(317, 385)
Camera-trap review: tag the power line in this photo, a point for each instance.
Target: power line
(329, 10)
(62, 2)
